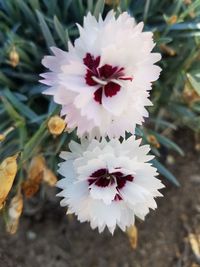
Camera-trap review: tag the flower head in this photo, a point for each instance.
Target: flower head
(103, 81)
(108, 183)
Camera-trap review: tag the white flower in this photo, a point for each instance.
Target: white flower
(108, 183)
(103, 82)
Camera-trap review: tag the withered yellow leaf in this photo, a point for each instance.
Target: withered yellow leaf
(14, 213)
(8, 170)
(36, 167)
(49, 177)
(195, 244)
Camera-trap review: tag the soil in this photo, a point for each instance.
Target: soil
(48, 238)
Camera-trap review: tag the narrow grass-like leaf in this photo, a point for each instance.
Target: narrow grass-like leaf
(20, 75)
(51, 6)
(166, 173)
(52, 107)
(90, 5)
(19, 106)
(146, 9)
(191, 8)
(167, 142)
(45, 30)
(194, 83)
(60, 31)
(27, 12)
(66, 6)
(196, 106)
(6, 81)
(34, 142)
(181, 110)
(99, 8)
(162, 123)
(164, 40)
(4, 125)
(6, 18)
(8, 7)
(39, 119)
(81, 7)
(124, 5)
(139, 132)
(14, 115)
(35, 4)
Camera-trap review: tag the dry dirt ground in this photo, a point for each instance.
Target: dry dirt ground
(49, 239)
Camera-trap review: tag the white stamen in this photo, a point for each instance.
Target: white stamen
(99, 81)
(116, 81)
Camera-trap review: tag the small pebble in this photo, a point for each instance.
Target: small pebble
(170, 160)
(197, 208)
(195, 178)
(31, 235)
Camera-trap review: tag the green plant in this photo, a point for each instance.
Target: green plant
(28, 28)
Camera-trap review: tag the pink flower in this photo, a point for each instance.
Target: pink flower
(108, 183)
(103, 81)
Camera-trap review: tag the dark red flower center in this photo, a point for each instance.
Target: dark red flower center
(105, 77)
(103, 178)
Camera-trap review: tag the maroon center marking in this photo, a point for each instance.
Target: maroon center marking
(103, 76)
(103, 178)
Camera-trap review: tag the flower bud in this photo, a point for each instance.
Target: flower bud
(153, 141)
(197, 142)
(36, 168)
(8, 170)
(2, 137)
(30, 188)
(167, 50)
(14, 213)
(14, 57)
(187, 2)
(132, 233)
(56, 125)
(189, 95)
(5, 133)
(172, 20)
(194, 240)
(192, 14)
(35, 174)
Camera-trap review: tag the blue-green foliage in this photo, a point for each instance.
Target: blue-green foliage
(32, 26)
